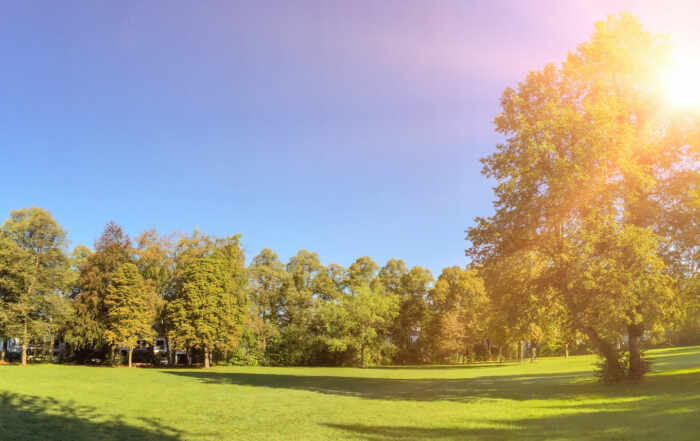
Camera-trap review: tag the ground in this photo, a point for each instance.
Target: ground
(552, 399)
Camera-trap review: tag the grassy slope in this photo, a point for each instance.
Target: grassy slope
(553, 399)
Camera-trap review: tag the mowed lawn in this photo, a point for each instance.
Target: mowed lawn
(552, 399)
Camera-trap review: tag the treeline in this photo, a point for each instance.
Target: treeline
(196, 291)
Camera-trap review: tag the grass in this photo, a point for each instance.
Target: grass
(553, 399)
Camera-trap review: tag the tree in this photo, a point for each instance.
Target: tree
(299, 339)
(409, 334)
(361, 321)
(35, 243)
(589, 151)
(522, 309)
(459, 313)
(209, 310)
(266, 286)
(112, 250)
(130, 309)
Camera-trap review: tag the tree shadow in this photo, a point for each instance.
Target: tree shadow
(514, 387)
(666, 407)
(431, 367)
(28, 418)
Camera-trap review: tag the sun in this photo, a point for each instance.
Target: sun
(683, 81)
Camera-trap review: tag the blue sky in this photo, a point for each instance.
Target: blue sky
(345, 128)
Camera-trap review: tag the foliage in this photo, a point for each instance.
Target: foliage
(130, 308)
(586, 179)
(207, 313)
(33, 269)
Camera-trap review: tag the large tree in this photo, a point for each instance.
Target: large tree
(35, 246)
(589, 153)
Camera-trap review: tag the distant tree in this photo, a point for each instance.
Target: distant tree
(130, 308)
(459, 306)
(267, 282)
(410, 334)
(299, 340)
(112, 249)
(34, 267)
(360, 322)
(522, 309)
(155, 260)
(210, 309)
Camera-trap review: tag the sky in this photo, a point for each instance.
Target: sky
(344, 128)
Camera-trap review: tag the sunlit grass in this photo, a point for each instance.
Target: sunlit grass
(552, 399)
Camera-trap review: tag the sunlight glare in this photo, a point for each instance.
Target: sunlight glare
(683, 80)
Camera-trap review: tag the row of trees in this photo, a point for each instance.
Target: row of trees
(196, 291)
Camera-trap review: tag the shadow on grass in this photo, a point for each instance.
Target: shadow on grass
(514, 387)
(28, 418)
(519, 387)
(430, 367)
(663, 408)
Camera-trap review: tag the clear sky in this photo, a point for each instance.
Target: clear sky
(347, 128)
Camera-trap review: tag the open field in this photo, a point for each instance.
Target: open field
(553, 399)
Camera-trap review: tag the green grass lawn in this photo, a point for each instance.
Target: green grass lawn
(553, 399)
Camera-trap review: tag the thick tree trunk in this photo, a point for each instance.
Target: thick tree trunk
(636, 370)
(3, 350)
(189, 357)
(131, 355)
(566, 350)
(362, 356)
(533, 352)
(206, 358)
(609, 352)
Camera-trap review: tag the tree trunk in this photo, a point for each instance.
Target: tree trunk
(520, 351)
(362, 356)
(3, 350)
(206, 358)
(189, 357)
(24, 343)
(533, 352)
(609, 352)
(566, 350)
(51, 343)
(636, 370)
(131, 355)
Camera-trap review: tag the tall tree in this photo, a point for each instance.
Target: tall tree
(112, 249)
(43, 265)
(589, 147)
(209, 310)
(267, 281)
(300, 339)
(410, 334)
(131, 309)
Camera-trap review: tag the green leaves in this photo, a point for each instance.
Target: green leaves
(588, 188)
